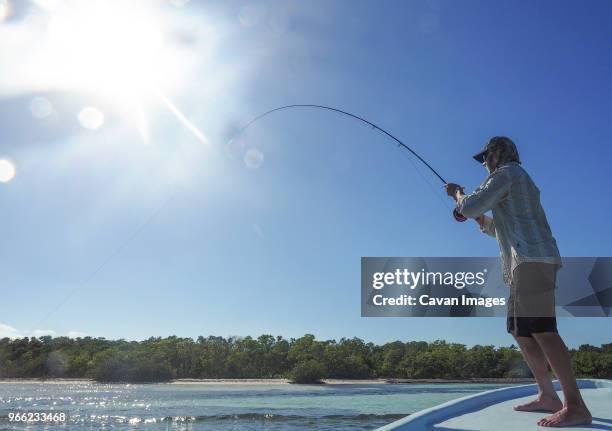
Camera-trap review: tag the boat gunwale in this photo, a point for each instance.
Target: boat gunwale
(426, 418)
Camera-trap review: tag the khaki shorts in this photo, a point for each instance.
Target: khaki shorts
(531, 306)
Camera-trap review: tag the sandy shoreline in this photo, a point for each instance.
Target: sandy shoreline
(286, 381)
(197, 381)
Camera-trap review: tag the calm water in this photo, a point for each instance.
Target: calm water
(222, 407)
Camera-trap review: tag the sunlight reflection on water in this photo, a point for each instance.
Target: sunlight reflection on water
(224, 406)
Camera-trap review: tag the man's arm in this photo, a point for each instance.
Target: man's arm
(484, 197)
(485, 223)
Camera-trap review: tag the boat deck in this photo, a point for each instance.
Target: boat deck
(502, 417)
(492, 410)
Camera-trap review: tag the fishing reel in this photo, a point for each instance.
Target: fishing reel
(458, 216)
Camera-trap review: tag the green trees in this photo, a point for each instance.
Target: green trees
(308, 371)
(348, 359)
(590, 361)
(304, 359)
(115, 365)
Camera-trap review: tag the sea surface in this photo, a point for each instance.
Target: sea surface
(221, 407)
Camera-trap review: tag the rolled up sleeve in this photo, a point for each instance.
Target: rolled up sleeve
(486, 196)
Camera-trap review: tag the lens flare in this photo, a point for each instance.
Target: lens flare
(7, 170)
(91, 118)
(253, 159)
(195, 131)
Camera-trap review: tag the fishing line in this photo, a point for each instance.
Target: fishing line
(458, 217)
(431, 186)
(109, 258)
(424, 178)
(200, 136)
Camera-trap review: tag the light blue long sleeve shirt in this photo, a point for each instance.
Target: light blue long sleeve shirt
(519, 222)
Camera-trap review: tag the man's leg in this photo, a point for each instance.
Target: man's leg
(574, 411)
(547, 399)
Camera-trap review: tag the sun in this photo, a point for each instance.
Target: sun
(131, 53)
(119, 50)
(112, 48)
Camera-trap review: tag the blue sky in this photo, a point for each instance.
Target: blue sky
(123, 234)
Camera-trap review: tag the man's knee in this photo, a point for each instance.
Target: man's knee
(548, 338)
(524, 341)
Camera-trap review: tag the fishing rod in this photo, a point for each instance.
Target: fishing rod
(459, 217)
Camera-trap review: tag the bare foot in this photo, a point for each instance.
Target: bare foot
(541, 404)
(567, 417)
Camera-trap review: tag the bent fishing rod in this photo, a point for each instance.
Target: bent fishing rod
(459, 217)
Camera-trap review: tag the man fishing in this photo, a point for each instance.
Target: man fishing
(530, 260)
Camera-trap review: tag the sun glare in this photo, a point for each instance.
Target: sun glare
(5, 10)
(7, 171)
(107, 47)
(116, 49)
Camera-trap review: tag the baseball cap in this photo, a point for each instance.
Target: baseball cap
(481, 156)
(501, 144)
